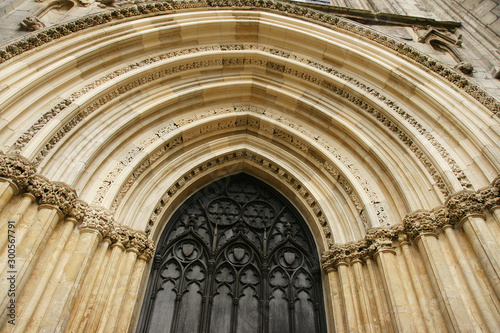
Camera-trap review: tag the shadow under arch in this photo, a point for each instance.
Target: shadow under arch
(235, 257)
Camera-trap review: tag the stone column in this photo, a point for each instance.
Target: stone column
(495, 210)
(466, 211)
(351, 319)
(43, 280)
(115, 302)
(364, 300)
(29, 250)
(26, 201)
(57, 315)
(479, 293)
(485, 247)
(424, 316)
(117, 250)
(130, 300)
(81, 312)
(385, 255)
(399, 310)
(336, 299)
(7, 190)
(422, 226)
(380, 301)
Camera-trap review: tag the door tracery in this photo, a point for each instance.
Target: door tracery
(236, 257)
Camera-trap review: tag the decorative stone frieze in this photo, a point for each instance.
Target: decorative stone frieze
(460, 205)
(419, 222)
(16, 168)
(345, 253)
(99, 220)
(376, 239)
(55, 32)
(22, 172)
(464, 203)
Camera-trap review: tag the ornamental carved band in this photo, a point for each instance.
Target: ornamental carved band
(17, 169)
(22, 173)
(457, 207)
(46, 35)
(101, 221)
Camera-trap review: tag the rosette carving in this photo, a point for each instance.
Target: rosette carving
(463, 204)
(16, 168)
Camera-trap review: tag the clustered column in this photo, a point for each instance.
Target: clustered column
(64, 252)
(429, 274)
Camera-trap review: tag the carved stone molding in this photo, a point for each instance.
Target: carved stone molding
(101, 221)
(358, 101)
(247, 122)
(49, 34)
(56, 194)
(16, 168)
(464, 203)
(419, 222)
(285, 176)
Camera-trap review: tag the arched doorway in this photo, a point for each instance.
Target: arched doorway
(235, 257)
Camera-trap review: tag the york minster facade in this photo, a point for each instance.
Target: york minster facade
(250, 166)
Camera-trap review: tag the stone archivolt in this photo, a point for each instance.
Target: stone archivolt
(457, 207)
(351, 96)
(143, 10)
(23, 174)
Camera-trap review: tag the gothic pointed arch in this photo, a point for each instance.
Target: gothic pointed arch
(235, 257)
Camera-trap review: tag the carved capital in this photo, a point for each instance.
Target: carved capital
(52, 193)
(16, 168)
(119, 235)
(99, 220)
(79, 209)
(419, 222)
(490, 196)
(345, 253)
(132, 240)
(464, 203)
(382, 237)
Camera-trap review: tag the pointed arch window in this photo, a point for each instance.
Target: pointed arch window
(235, 257)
